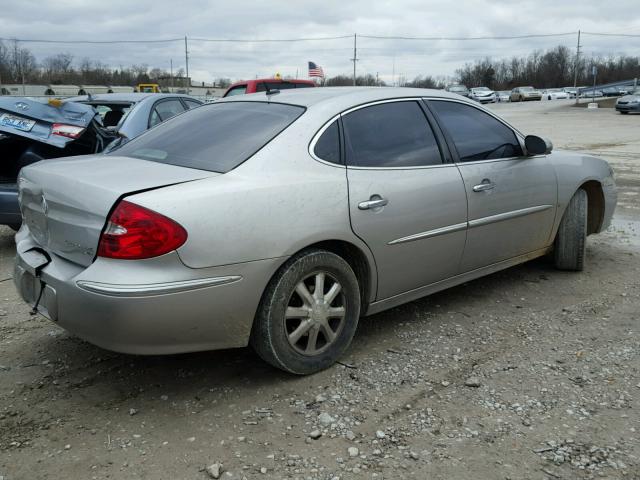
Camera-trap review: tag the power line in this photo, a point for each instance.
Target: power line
(313, 39)
(636, 35)
(502, 37)
(267, 40)
(97, 42)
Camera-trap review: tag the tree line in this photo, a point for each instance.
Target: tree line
(543, 69)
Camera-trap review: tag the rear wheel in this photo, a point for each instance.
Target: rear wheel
(624, 113)
(308, 314)
(571, 239)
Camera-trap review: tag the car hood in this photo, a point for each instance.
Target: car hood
(629, 98)
(45, 115)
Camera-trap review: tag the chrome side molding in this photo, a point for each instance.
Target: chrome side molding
(144, 290)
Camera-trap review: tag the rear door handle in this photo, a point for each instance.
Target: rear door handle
(374, 203)
(484, 186)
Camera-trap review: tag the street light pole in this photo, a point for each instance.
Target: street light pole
(575, 68)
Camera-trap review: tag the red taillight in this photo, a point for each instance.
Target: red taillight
(69, 131)
(134, 232)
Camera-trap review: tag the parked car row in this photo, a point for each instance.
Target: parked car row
(31, 131)
(527, 93)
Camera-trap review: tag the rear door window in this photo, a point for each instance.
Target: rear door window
(216, 137)
(476, 134)
(394, 134)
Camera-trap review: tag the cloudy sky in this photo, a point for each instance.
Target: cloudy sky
(159, 19)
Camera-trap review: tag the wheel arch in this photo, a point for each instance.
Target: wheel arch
(595, 206)
(360, 260)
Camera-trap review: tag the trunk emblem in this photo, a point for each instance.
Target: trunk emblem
(22, 105)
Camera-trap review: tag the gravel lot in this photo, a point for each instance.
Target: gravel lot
(529, 373)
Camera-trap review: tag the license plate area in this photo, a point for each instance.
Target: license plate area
(33, 290)
(16, 122)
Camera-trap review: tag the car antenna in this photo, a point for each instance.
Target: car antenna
(89, 97)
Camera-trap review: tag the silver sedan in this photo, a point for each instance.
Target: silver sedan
(279, 219)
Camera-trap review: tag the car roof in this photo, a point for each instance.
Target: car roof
(124, 97)
(340, 97)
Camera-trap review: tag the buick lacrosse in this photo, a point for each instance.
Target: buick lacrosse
(279, 218)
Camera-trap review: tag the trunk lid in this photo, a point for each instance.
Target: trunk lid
(33, 120)
(65, 202)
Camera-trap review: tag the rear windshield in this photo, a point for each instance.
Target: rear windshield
(216, 137)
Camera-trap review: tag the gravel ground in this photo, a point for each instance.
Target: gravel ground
(529, 373)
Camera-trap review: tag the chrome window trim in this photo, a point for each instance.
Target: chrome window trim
(381, 102)
(418, 167)
(145, 290)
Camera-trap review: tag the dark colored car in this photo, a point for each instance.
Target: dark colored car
(32, 130)
(264, 84)
(459, 89)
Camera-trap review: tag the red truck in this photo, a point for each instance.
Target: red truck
(264, 84)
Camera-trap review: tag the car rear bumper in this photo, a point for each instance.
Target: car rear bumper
(154, 306)
(9, 207)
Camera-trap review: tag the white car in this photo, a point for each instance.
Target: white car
(482, 95)
(554, 94)
(503, 96)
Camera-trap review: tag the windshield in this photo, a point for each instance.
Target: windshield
(457, 88)
(526, 89)
(216, 137)
(481, 89)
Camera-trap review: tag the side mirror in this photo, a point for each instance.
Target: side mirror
(537, 145)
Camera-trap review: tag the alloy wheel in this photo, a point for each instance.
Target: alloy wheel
(315, 314)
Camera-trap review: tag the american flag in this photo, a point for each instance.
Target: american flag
(315, 70)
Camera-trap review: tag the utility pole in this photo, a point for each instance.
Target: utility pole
(393, 71)
(575, 68)
(355, 57)
(171, 63)
(186, 61)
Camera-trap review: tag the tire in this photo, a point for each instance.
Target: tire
(570, 243)
(283, 339)
(624, 113)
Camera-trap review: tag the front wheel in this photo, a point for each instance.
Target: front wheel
(624, 113)
(308, 314)
(571, 239)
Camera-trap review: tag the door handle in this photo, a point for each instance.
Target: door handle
(373, 203)
(484, 186)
